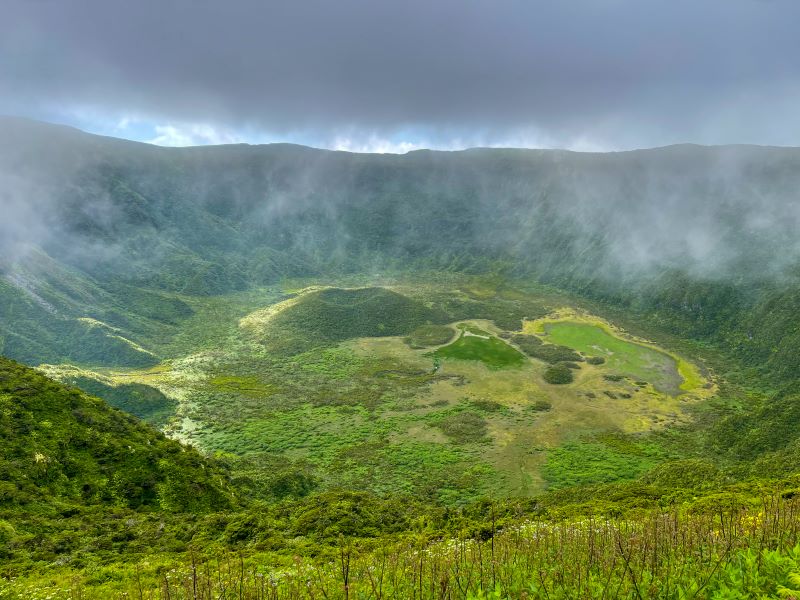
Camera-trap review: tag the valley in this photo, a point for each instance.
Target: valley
(366, 359)
(437, 390)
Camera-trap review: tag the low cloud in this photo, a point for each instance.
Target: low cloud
(585, 74)
(192, 135)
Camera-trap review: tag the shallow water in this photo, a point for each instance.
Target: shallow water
(623, 357)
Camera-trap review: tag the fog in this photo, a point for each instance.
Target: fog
(120, 210)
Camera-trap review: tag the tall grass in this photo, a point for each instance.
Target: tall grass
(678, 555)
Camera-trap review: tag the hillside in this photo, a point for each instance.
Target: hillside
(95, 222)
(332, 315)
(507, 362)
(76, 518)
(62, 448)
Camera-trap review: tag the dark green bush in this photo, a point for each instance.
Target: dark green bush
(539, 406)
(488, 406)
(559, 374)
(549, 353)
(613, 377)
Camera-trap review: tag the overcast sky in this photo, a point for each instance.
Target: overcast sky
(377, 75)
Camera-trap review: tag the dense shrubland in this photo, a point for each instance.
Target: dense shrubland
(736, 544)
(60, 444)
(549, 353)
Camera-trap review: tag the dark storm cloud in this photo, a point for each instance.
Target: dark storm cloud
(612, 72)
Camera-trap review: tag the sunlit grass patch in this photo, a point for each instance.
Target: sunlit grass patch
(246, 385)
(476, 344)
(633, 356)
(621, 355)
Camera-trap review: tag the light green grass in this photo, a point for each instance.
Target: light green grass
(491, 351)
(622, 357)
(245, 385)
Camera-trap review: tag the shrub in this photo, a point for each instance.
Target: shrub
(558, 375)
(549, 353)
(487, 405)
(464, 427)
(539, 406)
(613, 377)
(595, 360)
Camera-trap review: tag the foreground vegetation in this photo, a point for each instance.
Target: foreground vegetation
(719, 548)
(445, 438)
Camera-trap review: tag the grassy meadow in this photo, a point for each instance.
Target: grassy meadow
(436, 390)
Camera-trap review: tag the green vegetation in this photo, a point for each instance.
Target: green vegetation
(245, 385)
(463, 427)
(143, 401)
(770, 429)
(370, 414)
(549, 353)
(540, 406)
(621, 356)
(724, 544)
(487, 406)
(475, 344)
(430, 335)
(613, 377)
(558, 374)
(343, 443)
(366, 412)
(60, 445)
(332, 315)
(607, 459)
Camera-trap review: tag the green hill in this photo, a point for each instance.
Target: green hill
(333, 315)
(61, 447)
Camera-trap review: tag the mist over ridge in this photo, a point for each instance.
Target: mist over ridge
(719, 213)
(91, 222)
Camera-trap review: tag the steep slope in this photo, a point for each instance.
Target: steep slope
(694, 237)
(61, 447)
